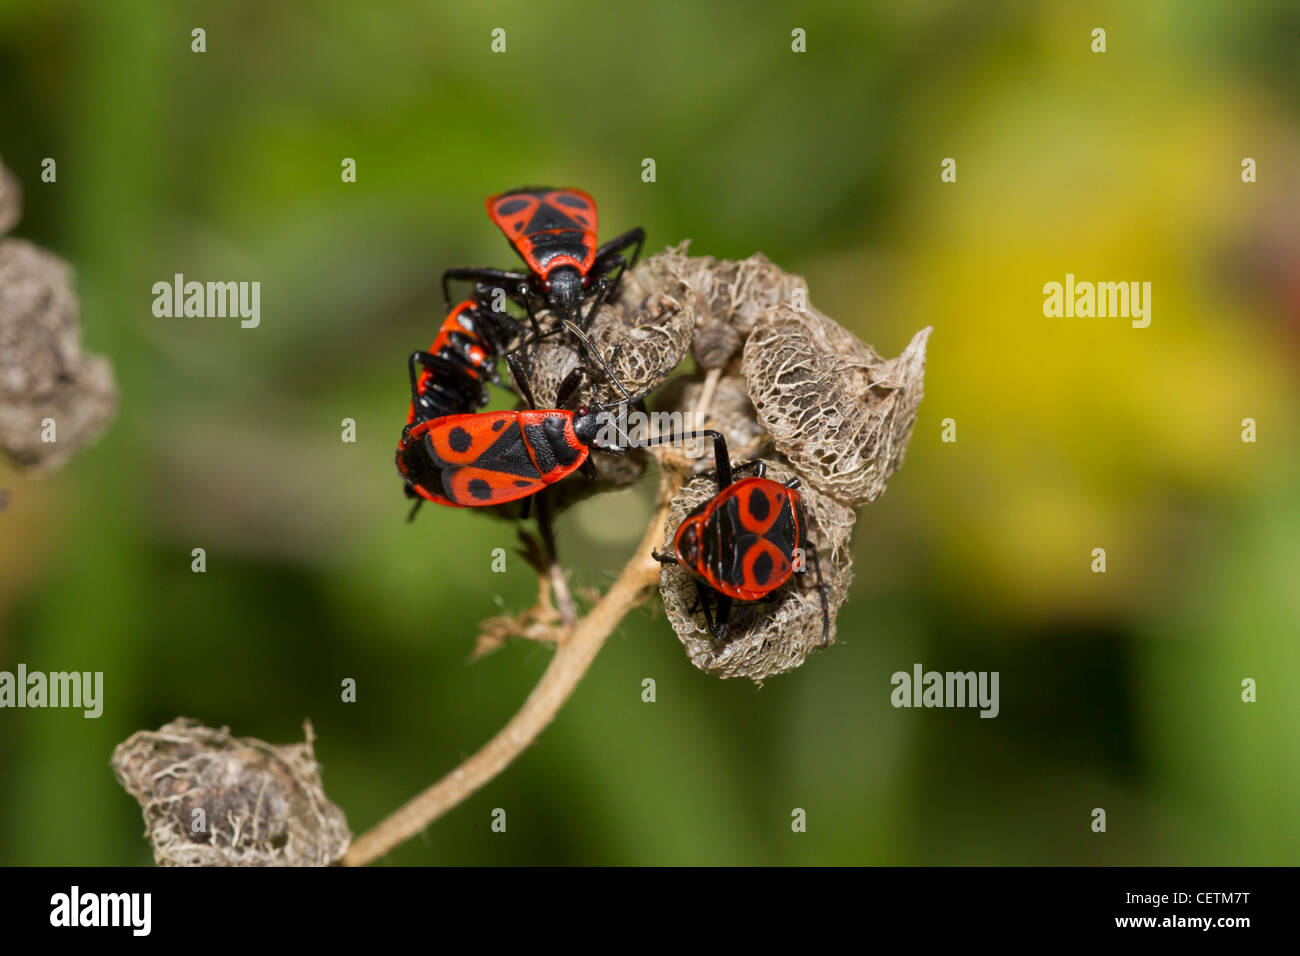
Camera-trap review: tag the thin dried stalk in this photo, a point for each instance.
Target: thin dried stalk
(572, 658)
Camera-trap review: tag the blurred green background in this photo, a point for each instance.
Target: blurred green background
(1118, 690)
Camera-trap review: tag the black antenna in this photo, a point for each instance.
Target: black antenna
(591, 351)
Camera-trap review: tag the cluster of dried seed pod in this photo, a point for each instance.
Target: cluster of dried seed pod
(792, 388)
(838, 411)
(54, 399)
(210, 799)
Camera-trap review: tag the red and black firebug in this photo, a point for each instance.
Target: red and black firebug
(744, 542)
(554, 232)
(453, 373)
(480, 459)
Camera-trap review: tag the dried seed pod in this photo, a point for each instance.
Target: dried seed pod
(43, 373)
(730, 412)
(763, 639)
(11, 200)
(619, 470)
(210, 799)
(40, 342)
(724, 298)
(715, 342)
(650, 330)
(642, 345)
(547, 368)
(842, 414)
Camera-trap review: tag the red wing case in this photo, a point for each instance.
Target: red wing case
(747, 535)
(548, 227)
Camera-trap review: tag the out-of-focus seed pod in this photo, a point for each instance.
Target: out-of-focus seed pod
(43, 373)
(763, 639)
(210, 799)
(836, 409)
(11, 200)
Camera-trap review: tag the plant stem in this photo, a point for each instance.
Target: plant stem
(572, 658)
(555, 572)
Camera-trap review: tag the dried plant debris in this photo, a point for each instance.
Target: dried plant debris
(53, 398)
(40, 344)
(730, 413)
(763, 639)
(642, 342)
(210, 799)
(11, 200)
(724, 299)
(838, 411)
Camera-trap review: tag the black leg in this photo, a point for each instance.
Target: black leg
(663, 558)
(811, 549)
(568, 386)
(521, 380)
(720, 457)
(531, 341)
(527, 508)
(722, 614)
(482, 274)
(602, 289)
(634, 236)
(588, 468)
(821, 589)
(702, 594)
(414, 508)
(532, 320)
(589, 352)
(757, 466)
(617, 245)
(500, 328)
(424, 358)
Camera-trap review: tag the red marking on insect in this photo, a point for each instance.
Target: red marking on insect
(741, 542)
(554, 232)
(466, 346)
(549, 228)
(491, 458)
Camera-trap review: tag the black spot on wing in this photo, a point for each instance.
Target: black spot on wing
(480, 489)
(499, 424)
(762, 569)
(509, 207)
(759, 505)
(572, 201)
(460, 440)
